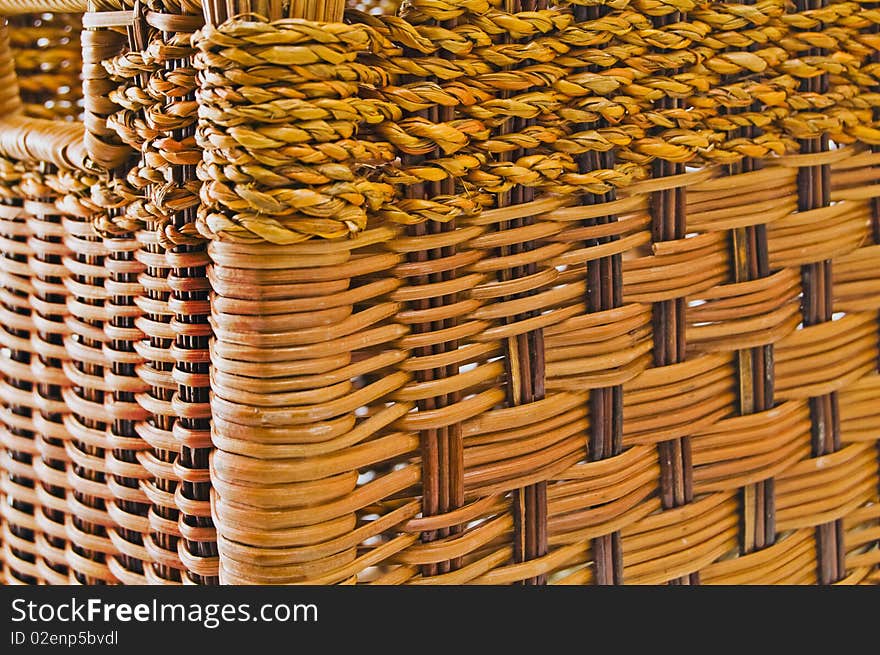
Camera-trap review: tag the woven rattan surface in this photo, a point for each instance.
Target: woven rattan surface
(465, 292)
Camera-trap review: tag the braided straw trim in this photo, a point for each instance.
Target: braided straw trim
(242, 199)
(553, 173)
(470, 141)
(681, 145)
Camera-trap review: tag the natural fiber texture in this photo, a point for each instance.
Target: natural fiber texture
(85, 146)
(376, 7)
(481, 293)
(158, 119)
(17, 7)
(264, 194)
(100, 141)
(508, 374)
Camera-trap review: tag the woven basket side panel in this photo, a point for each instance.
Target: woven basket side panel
(577, 343)
(302, 344)
(484, 293)
(48, 63)
(158, 118)
(124, 453)
(45, 198)
(108, 509)
(19, 435)
(130, 71)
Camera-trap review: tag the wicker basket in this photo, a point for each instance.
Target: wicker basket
(471, 291)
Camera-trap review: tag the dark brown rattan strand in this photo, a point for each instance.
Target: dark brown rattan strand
(604, 291)
(49, 305)
(668, 223)
(524, 352)
(814, 192)
(754, 366)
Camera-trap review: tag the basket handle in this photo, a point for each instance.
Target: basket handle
(67, 145)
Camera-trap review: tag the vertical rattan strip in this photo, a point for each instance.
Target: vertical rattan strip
(755, 381)
(434, 204)
(755, 368)
(441, 448)
(130, 505)
(108, 507)
(17, 432)
(189, 301)
(874, 59)
(17, 489)
(604, 291)
(48, 301)
(47, 60)
(433, 275)
(668, 217)
(814, 191)
(88, 422)
(157, 430)
(524, 361)
(134, 70)
(174, 156)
